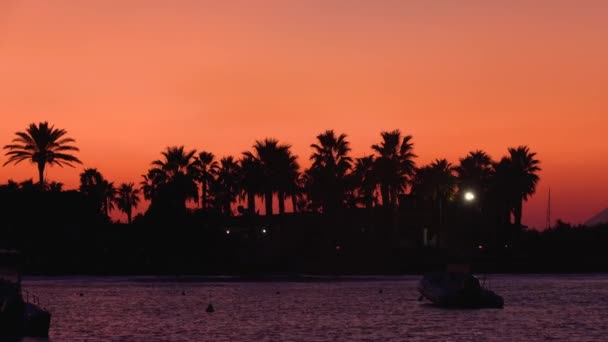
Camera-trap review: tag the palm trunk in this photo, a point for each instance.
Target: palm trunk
(384, 193)
(268, 199)
(41, 175)
(393, 197)
(294, 203)
(281, 203)
(251, 203)
(129, 219)
(204, 196)
(517, 211)
(227, 208)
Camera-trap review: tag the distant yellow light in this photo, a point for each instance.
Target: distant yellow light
(469, 196)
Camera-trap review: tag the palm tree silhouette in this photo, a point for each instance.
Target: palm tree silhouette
(206, 166)
(92, 186)
(524, 177)
(127, 198)
(252, 178)
(98, 189)
(394, 165)
(276, 165)
(42, 144)
(173, 177)
(474, 174)
(436, 182)
(330, 166)
(226, 187)
(365, 181)
(288, 176)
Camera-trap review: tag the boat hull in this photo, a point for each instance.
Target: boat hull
(459, 290)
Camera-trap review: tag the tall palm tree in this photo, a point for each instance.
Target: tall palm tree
(172, 178)
(206, 167)
(92, 186)
(394, 165)
(287, 182)
(524, 177)
(42, 144)
(275, 161)
(365, 181)
(436, 182)
(127, 198)
(108, 191)
(474, 173)
(252, 178)
(330, 166)
(226, 187)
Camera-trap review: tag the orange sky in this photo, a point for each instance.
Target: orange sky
(127, 78)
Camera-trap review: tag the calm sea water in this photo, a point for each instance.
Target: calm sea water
(537, 308)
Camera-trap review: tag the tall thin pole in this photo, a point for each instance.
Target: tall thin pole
(548, 221)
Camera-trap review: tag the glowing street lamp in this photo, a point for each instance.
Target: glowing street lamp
(469, 196)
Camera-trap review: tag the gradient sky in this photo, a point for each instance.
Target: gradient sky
(127, 78)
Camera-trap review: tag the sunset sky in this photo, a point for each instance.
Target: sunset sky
(126, 78)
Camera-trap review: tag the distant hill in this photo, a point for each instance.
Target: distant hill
(601, 217)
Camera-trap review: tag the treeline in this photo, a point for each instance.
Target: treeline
(377, 213)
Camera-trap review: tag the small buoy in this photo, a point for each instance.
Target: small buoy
(210, 308)
(380, 291)
(183, 293)
(278, 292)
(81, 294)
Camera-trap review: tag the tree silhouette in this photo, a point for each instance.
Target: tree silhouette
(252, 178)
(92, 186)
(225, 188)
(206, 167)
(436, 182)
(275, 164)
(127, 198)
(394, 165)
(288, 176)
(327, 175)
(364, 181)
(100, 191)
(171, 181)
(524, 177)
(42, 145)
(474, 174)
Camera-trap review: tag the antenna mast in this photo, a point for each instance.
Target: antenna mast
(548, 222)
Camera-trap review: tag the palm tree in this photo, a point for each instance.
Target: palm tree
(330, 166)
(252, 178)
(108, 191)
(524, 177)
(92, 186)
(172, 179)
(226, 187)
(394, 165)
(42, 145)
(276, 166)
(364, 181)
(206, 166)
(474, 173)
(127, 199)
(288, 176)
(436, 182)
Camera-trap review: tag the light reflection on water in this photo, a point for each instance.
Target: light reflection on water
(537, 307)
